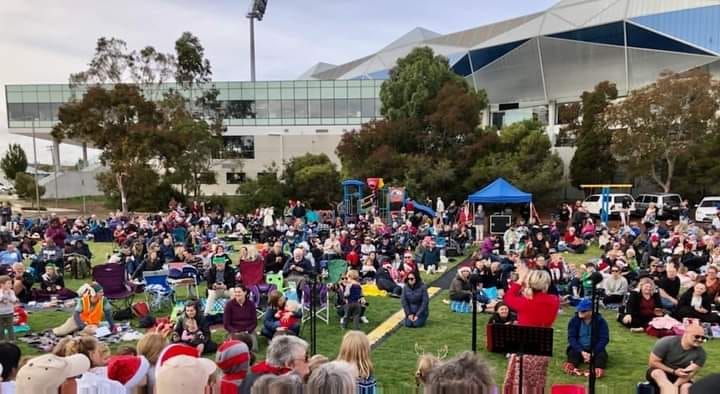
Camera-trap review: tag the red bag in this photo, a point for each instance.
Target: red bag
(140, 309)
(658, 333)
(20, 317)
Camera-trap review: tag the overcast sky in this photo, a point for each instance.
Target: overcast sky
(43, 41)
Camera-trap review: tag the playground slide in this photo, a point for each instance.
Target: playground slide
(422, 208)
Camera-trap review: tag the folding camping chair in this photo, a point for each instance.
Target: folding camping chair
(567, 389)
(336, 269)
(113, 279)
(157, 289)
(322, 310)
(278, 281)
(252, 276)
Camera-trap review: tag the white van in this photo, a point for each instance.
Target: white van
(707, 209)
(593, 203)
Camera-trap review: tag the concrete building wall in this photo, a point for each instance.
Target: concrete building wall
(269, 149)
(72, 184)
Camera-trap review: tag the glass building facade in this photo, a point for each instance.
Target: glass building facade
(268, 103)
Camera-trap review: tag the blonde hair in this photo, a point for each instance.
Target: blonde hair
(355, 349)
(77, 345)
(353, 274)
(151, 345)
(538, 280)
(425, 364)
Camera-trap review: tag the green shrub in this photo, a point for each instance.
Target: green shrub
(25, 185)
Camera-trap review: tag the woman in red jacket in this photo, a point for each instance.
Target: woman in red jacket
(529, 298)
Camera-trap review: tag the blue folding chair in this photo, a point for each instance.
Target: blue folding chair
(158, 291)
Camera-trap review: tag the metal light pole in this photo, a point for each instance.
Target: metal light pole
(37, 188)
(257, 11)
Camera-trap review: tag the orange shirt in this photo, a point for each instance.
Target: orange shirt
(91, 314)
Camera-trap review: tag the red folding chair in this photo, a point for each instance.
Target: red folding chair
(251, 273)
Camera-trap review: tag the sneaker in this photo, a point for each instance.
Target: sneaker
(637, 329)
(364, 319)
(599, 373)
(342, 321)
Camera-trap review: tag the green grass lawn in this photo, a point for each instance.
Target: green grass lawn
(329, 335)
(395, 357)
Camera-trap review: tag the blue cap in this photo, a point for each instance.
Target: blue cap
(584, 305)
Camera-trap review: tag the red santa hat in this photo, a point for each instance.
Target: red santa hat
(128, 370)
(173, 350)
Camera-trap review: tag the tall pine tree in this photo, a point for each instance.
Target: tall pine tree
(593, 162)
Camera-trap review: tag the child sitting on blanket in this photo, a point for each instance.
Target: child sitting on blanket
(287, 316)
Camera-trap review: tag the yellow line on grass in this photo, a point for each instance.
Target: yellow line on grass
(393, 322)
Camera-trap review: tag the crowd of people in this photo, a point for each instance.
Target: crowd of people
(156, 365)
(521, 277)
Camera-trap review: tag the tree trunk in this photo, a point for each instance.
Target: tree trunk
(670, 172)
(123, 197)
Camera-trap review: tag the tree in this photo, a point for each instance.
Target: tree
(139, 122)
(415, 80)
(314, 179)
(150, 192)
(428, 135)
(593, 162)
(264, 191)
(659, 125)
(521, 155)
(14, 161)
(120, 122)
(25, 186)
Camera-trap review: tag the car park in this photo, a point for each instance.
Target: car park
(667, 204)
(707, 209)
(593, 203)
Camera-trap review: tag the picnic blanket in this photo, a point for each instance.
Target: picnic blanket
(46, 341)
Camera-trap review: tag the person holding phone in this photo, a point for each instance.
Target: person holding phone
(221, 280)
(675, 360)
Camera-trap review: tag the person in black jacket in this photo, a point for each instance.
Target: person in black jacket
(696, 303)
(220, 281)
(192, 311)
(275, 259)
(385, 281)
(642, 306)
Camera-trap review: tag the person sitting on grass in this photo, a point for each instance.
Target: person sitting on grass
(272, 316)
(675, 360)
(239, 314)
(91, 309)
(580, 341)
(22, 282)
(415, 302)
(503, 315)
(221, 279)
(643, 305)
(52, 285)
(697, 304)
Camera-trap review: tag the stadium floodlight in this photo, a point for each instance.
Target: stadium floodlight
(257, 11)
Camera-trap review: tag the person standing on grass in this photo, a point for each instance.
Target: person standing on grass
(355, 349)
(529, 298)
(676, 360)
(7, 308)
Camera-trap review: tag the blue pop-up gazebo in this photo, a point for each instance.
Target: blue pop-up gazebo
(500, 191)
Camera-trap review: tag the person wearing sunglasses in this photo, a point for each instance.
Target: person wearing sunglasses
(415, 301)
(675, 360)
(616, 286)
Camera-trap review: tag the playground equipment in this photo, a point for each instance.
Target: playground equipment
(381, 200)
(605, 197)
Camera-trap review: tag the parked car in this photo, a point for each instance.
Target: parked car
(667, 204)
(593, 203)
(707, 209)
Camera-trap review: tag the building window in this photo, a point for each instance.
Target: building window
(207, 178)
(568, 113)
(314, 109)
(238, 147)
(240, 109)
(234, 178)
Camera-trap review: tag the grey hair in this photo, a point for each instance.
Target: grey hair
(538, 280)
(283, 349)
(272, 384)
(466, 373)
(336, 377)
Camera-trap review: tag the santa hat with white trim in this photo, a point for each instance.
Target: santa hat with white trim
(173, 350)
(128, 370)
